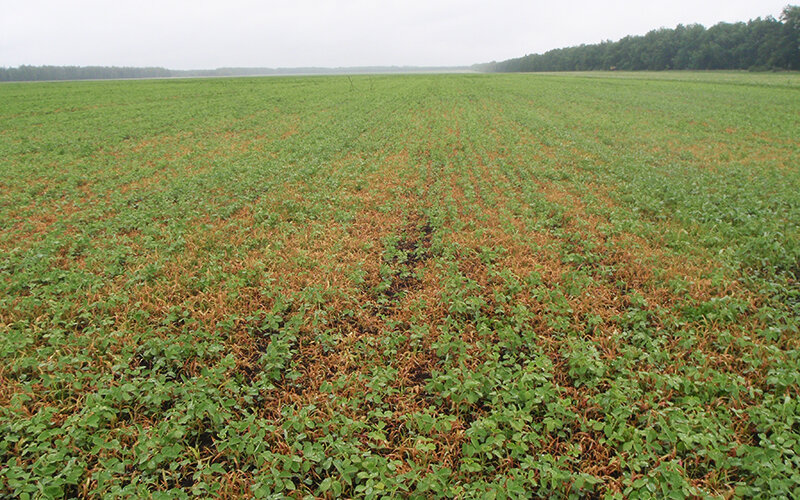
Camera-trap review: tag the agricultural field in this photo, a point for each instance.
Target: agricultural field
(417, 286)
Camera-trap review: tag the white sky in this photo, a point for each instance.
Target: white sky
(186, 34)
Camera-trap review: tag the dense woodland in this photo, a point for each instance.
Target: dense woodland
(759, 44)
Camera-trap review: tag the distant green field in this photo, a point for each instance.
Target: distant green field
(426, 286)
(786, 79)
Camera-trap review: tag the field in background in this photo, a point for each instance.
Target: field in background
(452, 285)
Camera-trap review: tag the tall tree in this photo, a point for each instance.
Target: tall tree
(767, 43)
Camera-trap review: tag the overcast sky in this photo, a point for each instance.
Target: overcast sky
(186, 34)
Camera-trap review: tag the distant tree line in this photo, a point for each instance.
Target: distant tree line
(47, 73)
(759, 44)
(40, 73)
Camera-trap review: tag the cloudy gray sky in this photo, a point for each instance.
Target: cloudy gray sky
(185, 34)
